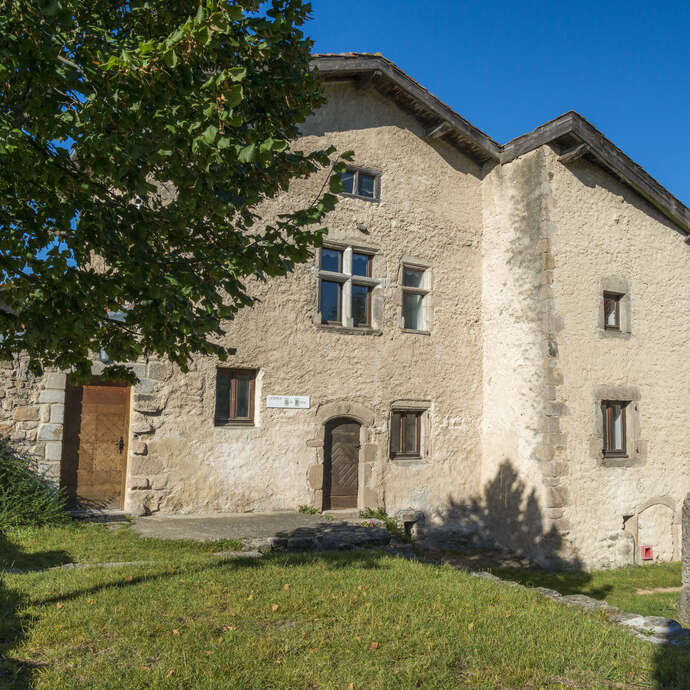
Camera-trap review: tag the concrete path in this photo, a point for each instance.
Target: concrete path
(246, 526)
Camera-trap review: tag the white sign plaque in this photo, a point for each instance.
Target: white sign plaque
(288, 402)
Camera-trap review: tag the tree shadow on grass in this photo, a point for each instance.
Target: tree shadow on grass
(16, 673)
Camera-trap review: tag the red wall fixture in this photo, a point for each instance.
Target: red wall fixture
(646, 553)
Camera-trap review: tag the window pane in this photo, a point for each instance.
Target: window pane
(412, 311)
(222, 395)
(610, 304)
(617, 424)
(366, 185)
(395, 432)
(348, 179)
(330, 301)
(360, 305)
(413, 277)
(361, 264)
(331, 260)
(242, 408)
(411, 433)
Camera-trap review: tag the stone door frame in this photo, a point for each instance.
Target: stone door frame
(365, 417)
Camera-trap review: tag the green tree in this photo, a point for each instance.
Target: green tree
(137, 140)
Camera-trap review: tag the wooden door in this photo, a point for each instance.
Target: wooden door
(94, 447)
(341, 464)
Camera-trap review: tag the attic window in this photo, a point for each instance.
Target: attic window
(361, 183)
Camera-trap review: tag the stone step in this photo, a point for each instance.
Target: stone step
(338, 537)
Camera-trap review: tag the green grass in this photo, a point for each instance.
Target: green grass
(297, 621)
(617, 587)
(29, 548)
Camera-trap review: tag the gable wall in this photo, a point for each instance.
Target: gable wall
(430, 209)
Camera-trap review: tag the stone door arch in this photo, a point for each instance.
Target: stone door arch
(341, 463)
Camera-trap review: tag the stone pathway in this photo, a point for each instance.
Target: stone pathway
(269, 531)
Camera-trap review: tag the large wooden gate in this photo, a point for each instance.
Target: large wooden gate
(341, 464)
(94, 447)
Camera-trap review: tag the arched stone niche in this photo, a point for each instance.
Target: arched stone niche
(658, 526)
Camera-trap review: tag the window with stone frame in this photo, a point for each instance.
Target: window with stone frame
(416, 295)
(406, 433)
(361, 183)
(235, 392)
(612, 311)
(615, 428)
(346, 286)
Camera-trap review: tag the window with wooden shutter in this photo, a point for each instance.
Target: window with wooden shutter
(235, 396)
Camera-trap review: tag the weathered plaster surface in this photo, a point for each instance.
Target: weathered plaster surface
(430, 208)
(605, 232)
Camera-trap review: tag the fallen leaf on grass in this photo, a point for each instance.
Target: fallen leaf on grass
(169, 673)
(470, 626)
(176, 631)
(220, 639)
(274, 607)
(59, 605)
(350, 686)
(130, 579)
(286, 586)
(314, 649)
(374, 645)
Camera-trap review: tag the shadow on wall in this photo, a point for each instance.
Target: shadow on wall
(506, 515)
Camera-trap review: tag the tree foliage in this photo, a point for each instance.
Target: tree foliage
(137, 141)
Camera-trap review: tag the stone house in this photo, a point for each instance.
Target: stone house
(492, 345)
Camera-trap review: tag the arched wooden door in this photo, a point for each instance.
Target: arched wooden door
(341, 464)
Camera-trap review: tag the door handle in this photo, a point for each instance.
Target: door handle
(121, 444)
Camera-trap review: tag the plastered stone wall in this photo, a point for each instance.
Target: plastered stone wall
(430, 209)
(523, 491)
(605, 235)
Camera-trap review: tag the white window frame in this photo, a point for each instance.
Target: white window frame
(425, 291)
(347, 280)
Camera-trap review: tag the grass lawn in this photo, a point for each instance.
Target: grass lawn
(345, 620)
(619, 587)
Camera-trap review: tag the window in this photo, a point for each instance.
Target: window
(361, 183)
(614, 428)
(346, 286)
(405, 433)
(235, 396)
(415, 291)
(612, 311)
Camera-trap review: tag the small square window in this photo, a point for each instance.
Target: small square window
(364, 184)
(612, 311)
(413, 277)
(331, 260)
(405, 434)
(614, 428)
(235, 396)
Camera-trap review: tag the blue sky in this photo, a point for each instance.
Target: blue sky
(508, 67)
